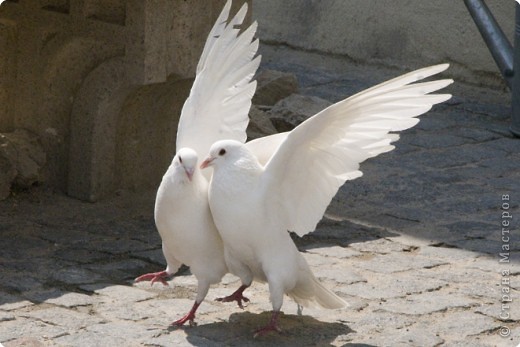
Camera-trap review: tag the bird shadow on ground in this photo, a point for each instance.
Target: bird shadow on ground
(338, 232)
(239, 330)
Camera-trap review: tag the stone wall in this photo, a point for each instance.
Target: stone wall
(403, 33)
(101, 83)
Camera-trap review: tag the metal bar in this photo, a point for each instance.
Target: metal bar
(495, 39)
(515, 94)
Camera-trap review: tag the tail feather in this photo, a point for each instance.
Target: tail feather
(312, 293)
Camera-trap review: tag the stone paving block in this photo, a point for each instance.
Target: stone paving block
(124, 269)
(458, 273)
(120, 293)
(460, 324)
(424, 303)
(121, 311)
(436, 140)
(492, 264)
(6, 316)
(331, 251)
(20, 281)
(119, 246)
(62, 317)
(155, 256)
(162, 312)
(29, 328)
(450, 254)
(95, 339)
(82, 256)
(319, 261)
(60, 298)
(10, 302)
(406, 337)
(29, 342)
(367, 322)
(496, 310)
(76, 275)
(381, 246)
(383, 286)
(339, 274)
(397, 262)
(491, 247)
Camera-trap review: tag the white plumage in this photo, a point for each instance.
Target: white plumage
(254, 206)
(216, 109)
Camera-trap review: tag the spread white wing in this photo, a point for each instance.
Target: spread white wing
(220, 98)
(264, 147)
(323, 152)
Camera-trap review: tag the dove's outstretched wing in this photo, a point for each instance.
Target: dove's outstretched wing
(323, 152)
(220, 98)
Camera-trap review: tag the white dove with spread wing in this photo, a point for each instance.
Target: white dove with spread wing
(253, 205)
(216, 109)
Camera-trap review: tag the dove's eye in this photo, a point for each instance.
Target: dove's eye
(180, 159)
(222, 152)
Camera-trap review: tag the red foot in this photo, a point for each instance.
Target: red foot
(154, 277)
(189, 317)
(236, 296)
(272, 326)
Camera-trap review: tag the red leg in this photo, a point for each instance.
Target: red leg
(189, 317)
(272, 326)
(236, 296)
(154, 277)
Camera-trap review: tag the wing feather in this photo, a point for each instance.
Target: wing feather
(220, 98)
(319, 155)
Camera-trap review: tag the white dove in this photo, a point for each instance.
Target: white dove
(253, 206)
(217, 108)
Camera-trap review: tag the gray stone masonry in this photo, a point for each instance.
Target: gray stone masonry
(414, 245)
(102, 83)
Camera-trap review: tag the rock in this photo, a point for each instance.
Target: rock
(293, 110)
(7, 174)
(21, 160)
(274, 86)
(259, 124)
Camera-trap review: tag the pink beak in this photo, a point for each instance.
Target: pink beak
(207, 162)
(189, 173)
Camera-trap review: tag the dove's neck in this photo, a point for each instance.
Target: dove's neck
(232, 178)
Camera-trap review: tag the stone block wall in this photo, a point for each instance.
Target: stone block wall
(102, 83)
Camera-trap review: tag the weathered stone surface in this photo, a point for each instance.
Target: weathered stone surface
(26, 154)
(409, 336)
(76, 275)
(291, 111)
(25, 342)
(7, 175)
(22, 161)
(332, 251)
(385, 286)
(381, 246)
(259, 124)
(120, 293)
(23, 327)
(425, 303)
(60, 298)
(61, 317)
(273, 86)
(10, 302)
(339, 274)
(396, 262)
(460, 324)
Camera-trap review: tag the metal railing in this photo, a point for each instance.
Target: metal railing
(506, 57)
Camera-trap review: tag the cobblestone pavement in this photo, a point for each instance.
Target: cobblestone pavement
(414, 246)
